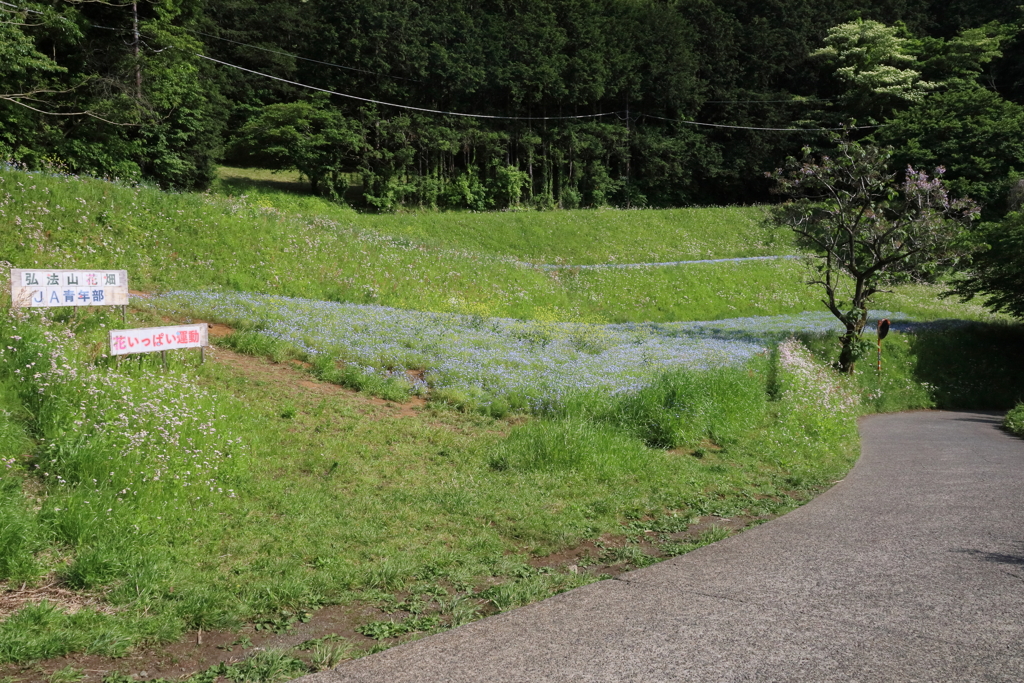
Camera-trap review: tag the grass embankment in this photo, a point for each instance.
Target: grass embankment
(295, 499)
(292, 245)
(550, 237)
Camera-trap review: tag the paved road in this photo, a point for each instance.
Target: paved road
(911, 569)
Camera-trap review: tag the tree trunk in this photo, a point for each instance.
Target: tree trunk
(848, 355)
(851, 340)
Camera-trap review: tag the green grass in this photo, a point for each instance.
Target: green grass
(299, 245)
(336, 501)
(579, 237)
(583, 237)
(325, 498)
(302, 246)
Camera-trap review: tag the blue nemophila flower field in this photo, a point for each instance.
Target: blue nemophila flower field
(542, 360)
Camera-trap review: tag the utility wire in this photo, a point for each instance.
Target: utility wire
(506, 118)
(22, 9)
(452, 113)
(405, 106)
(790, 101)
(723, 125)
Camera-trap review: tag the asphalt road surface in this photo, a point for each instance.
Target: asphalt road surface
(911, 569)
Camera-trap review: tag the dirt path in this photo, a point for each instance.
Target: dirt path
(911, 569)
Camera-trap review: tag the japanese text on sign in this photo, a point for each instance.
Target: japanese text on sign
(147, 339)
(46, 288)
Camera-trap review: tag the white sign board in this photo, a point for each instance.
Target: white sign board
(46, 288)
(146, 339)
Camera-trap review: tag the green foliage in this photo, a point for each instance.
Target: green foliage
(960, 60)
(308, 136)
(972, 132)
(869, 229)
(1014, 420)
(873, 60)
(149, 108)
(265, 666)
(998, 271)
(379, 630)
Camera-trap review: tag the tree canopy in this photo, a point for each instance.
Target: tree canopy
(129, 93)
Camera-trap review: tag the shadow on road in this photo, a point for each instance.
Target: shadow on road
(997, 558)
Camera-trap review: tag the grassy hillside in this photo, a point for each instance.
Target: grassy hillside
(302, 246)
(297, 245)
(571, 237)
(236, 500)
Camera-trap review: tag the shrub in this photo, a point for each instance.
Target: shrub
(1014, 420)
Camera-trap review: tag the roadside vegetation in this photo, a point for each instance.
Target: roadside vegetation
(1014, 420)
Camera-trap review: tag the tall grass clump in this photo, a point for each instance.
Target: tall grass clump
(812, 437)
(684, 407)
(596, 451)
(19, 534)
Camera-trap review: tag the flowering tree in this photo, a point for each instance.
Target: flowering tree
(868, 228)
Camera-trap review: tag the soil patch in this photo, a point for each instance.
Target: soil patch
(293, 373)
(600, 559)
(199, 651)
(13, 598)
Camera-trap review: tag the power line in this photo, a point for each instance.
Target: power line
(405, 106)
(451, 113)
(723, 125)
(505, 118)
(23, 9)
(790, 101)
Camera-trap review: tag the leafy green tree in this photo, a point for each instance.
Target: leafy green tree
(872, 59)
(25, 71)
(29, 79)
(975, 133)
(961, 60)
(308, 136)
(869, 229)
(998, 272)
